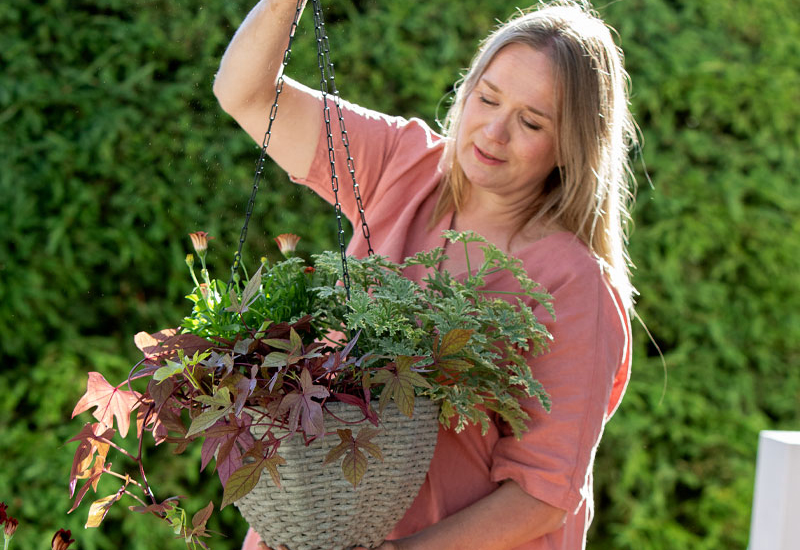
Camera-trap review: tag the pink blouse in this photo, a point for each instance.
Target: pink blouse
(585, 369)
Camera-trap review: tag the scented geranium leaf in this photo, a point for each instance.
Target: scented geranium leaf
(463, 236)
(99, 509)
(302, 408)
(454, 341)
(111, 402)
(219, 405)
(399, 384)
(429, 259)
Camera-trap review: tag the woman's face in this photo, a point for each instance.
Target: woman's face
(506, 143)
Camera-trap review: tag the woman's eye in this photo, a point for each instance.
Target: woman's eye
(485, 100)
(531, 125)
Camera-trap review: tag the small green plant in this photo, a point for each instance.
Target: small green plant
(274, 349)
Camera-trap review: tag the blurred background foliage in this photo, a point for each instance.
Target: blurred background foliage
(112, 149)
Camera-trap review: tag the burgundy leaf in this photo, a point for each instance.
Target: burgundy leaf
(302, 408)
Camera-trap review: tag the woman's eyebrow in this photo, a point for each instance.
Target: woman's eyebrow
(530, 108)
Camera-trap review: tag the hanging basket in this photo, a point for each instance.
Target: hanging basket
(317, 509)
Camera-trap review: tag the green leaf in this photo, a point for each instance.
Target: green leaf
(172, 368)
(251, 290)
(295, 340)
(275, 359)
(454, 365)
(220, 404)
(243, 480)
(454, 341)
(278, 344)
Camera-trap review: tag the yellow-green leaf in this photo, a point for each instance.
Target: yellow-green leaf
(241, 482)
(354, 466)
(99, 509)
(454, 341)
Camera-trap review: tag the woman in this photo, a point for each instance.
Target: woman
(533, 157)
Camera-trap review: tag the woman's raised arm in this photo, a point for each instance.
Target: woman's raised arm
(245, 87)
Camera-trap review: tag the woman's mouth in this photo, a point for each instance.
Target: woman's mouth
(486, 158)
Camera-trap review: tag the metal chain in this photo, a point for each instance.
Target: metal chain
(237, 257)
(326, 76)
(324, 51)
(319, 32)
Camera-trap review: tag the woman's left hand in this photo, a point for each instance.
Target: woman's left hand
(385, 545)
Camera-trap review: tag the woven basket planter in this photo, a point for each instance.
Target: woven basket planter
(317, 509)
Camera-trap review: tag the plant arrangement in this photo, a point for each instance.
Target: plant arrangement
(278, 347)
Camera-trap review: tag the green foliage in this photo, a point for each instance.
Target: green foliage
(715, 93)
(113, 148)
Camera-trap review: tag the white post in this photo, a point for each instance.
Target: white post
(775, 523)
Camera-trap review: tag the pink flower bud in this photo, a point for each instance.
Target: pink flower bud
(10, 527)
(61, 540)
(200, 241)
(287, 242)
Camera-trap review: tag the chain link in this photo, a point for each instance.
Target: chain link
(324, 51)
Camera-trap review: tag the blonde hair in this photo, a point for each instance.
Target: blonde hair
(591, 191)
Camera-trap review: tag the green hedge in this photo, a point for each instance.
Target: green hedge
(112, 149)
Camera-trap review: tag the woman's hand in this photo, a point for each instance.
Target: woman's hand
(385, 545)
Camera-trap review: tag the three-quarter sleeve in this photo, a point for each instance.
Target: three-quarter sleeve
(582, 371)
(378, 151)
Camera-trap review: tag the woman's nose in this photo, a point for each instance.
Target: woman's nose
(496, 128)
